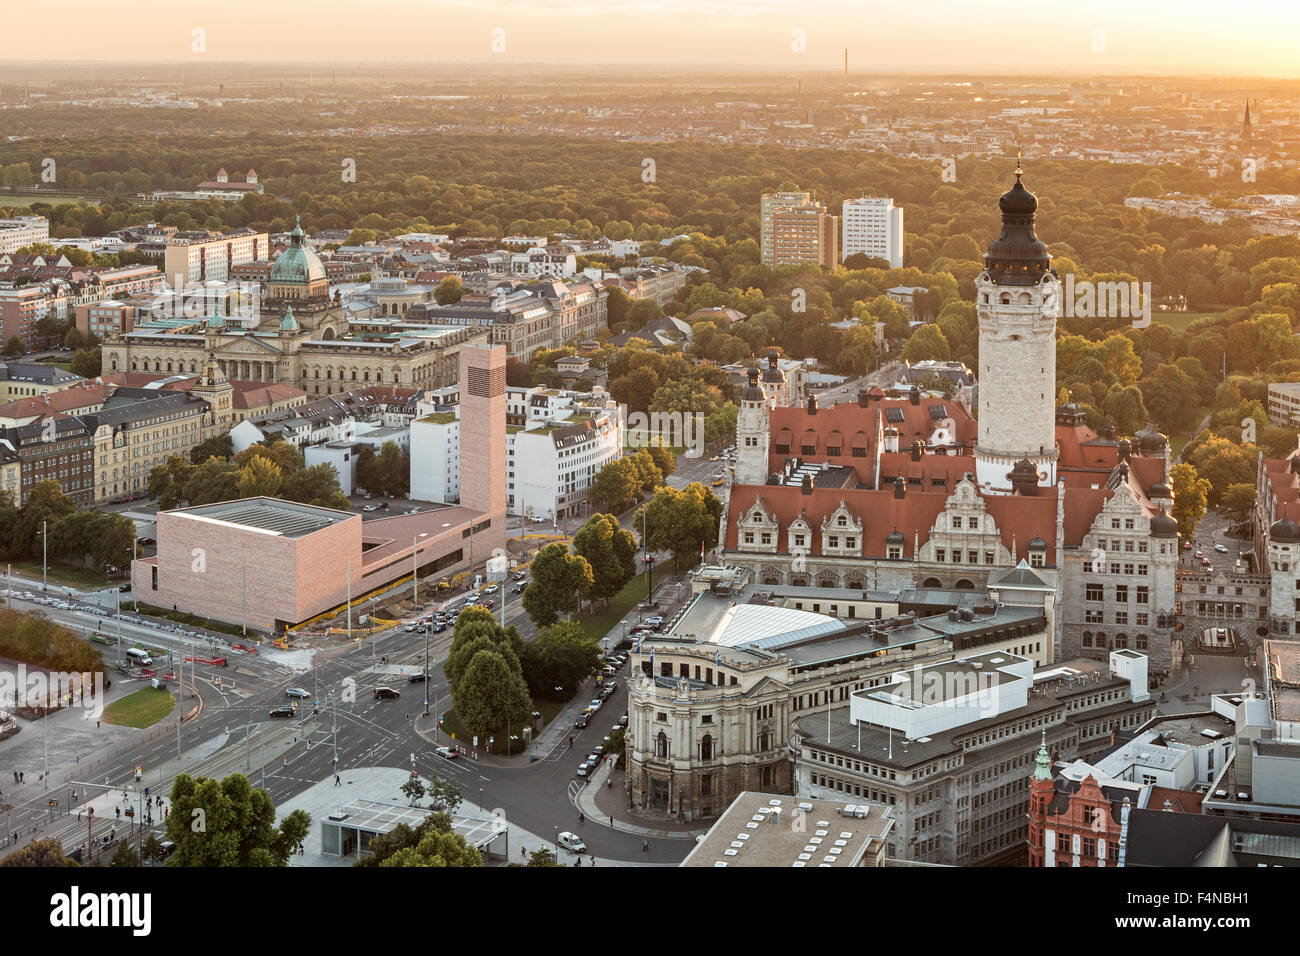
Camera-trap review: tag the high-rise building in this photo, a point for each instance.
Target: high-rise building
(23, 231)
(805, 233)
(1017, 300)
(198, 260)
(771, 202)
(483, 437)
(873, 226)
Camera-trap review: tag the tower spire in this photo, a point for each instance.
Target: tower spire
(1019, 172)
(1043, 762)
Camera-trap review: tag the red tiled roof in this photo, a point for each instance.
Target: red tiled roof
(1019, 518)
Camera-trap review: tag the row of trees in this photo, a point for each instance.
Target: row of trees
(273, 469)
(83, 538)
(35, 639)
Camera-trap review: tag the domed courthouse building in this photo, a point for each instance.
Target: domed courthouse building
(888, 494)
(302, 339)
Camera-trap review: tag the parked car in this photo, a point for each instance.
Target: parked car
(386, 693)
(382, 506)
(622, 721)
(583, 769)
(447, 753)
(287, 711)
(297, 693)
(165, 849)
(595, 704)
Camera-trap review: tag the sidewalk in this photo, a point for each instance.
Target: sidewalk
(607, 806)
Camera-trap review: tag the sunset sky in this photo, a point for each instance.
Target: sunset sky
(1255, 37)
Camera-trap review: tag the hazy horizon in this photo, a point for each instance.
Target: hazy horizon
(940, 37)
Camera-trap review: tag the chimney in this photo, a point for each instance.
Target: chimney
(812, 404)
(918, 449)
(914, 396)
(863, 399)
(807, 484)
(900, 487)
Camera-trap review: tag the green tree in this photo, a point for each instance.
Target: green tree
(927, 343)
(616, 485)
(317, 485)
(1237, 504)
(124, 855)
(557, 582)
(1123, 405)
(490, 694)
(228, 823)
(1223, 463)
(260, 477)
(681, 521)
(413, 790)
(542, 857)
(43, 853)
(218, 446)
(167, 482)
(214, 480)
(1190, 495)
(88, 363)
(151, 848)
(448, 291)
(14, 347)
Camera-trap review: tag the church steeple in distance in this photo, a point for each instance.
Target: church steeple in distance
(1245, 126)
(1017, 301)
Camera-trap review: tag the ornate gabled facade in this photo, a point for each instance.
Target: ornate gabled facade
(929, 497)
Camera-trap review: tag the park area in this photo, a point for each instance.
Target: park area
(144, 708)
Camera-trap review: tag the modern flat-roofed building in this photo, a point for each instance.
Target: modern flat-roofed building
(767, 208)
(873, 226)
(769, 830)
(805, 233)
(22, 231)
(1284, 403)
(199, 260)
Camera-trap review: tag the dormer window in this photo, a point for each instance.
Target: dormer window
(956, 521)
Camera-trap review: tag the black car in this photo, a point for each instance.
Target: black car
(125, 588)
(287, 711)
(440, 627)
(582, 721)
(418, 678)
(386, 693)
(517, 589)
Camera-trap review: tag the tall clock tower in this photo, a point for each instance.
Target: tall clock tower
(1018, 297)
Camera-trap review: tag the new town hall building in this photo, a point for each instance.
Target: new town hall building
(303, 340)
(1021, 534)
(912, 492)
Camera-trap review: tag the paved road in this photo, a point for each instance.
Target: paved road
(234, 733)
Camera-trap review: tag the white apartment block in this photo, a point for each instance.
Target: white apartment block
(551, 464)
(1284, 403)
(874, 226)
(187, 261)
(435, 455)
(22, 231)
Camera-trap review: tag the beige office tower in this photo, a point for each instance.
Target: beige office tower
(805, 234)
(483, 442)
(771, 202)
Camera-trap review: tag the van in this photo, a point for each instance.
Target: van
(572, 842)
(139, 656)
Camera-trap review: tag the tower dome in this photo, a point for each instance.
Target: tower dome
(753, 392)
(216, 321)
(1163, 526)
(297, 265)
(1284, 531)
(1017, 256)
(1150, 441)
(289, 323)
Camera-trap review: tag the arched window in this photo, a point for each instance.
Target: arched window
(661, 745)
(706, 747)
(965, 585)
(931, 583)
(1087, 638)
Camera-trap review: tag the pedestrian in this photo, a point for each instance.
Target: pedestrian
(337, 782)
(167, 812)
(523, 854)
(96, 724)
(22, 776)
(593, 859)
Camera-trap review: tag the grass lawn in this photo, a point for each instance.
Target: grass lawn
(1181, 320)
(28, 199)
(193, 620)
(452, 725)
(66, 575)
(142, 709)
(598, 625)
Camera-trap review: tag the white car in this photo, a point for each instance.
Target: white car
(490, 589)
(595, 704)
(1221, 549)
(571, 842)
(410, 626)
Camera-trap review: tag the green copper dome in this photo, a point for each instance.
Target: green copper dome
(216, 321)
(297, 264)
(289, 323)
